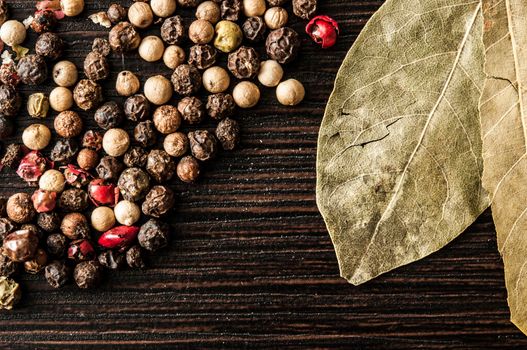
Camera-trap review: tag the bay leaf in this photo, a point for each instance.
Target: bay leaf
(504, 132)
(399, 150)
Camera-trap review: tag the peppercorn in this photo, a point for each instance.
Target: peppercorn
(188, 3)
(282, 45)
(20, 208)
(81, 250)
(109, 168)
(49, 45)
(3, 11)
(124, 38)
(87, 94)
(137, 108)
(158, 201)
(57, 274)
(32, 165)
(65, 74)
(60, 99)
(246, 94)
(115, 142)
(163, 8)
(191, 110)
(158, 89)
(202, 56)
(32, 69)
(244, 63)
(64, 150)
(173, 30)
(134, 257)
(134, 184)
(20, 245)
(290, 92)
(101, 46)
(13, 32)
(56, 244)
(75, 226)
(68, 124)
(145, 133)
(8, 74)
(10, 100)
(52, 180)
(220, 106)
(12, 156)
(270, 74)
(173, 56)
(96, 66)
(102, 219)
(154, 235)
(167, 119)
(49, 222)
(176, 144)
(44, 201)
(37, 263)
(209, 11)
(229, 36)
(228, 133)
(253, 8)
(201, 31)
(276, 17)
(151, 48)
(304, 8)
(127, 213)
(127, 83)
(10, 293)
(73, 200)
(72, 8)
(87, 158)
(254, 29)
(135, 157)
(109, 115)
(8, 267)
(111, 259)
(160, 165)
(36, 136)
(186, 80)
(231, 9)
(7, 128)
(203, 144)
(116, 13)
(216, 79)
(38, 105)
(6, 226)
(140, 15)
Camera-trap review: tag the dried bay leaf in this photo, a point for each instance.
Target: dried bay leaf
(503, 108)
(399, 150)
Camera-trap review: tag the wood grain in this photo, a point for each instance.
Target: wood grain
(251, 264)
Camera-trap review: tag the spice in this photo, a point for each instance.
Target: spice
(49, 45)
(44, 201)
(20, 208)
(254, 29)
(140, 15)
(34, 229)
(246, 94)
(202, 56)
(87, 158)
(68, 124)
(115, 142)
(102, 219)
(192, 110)
(65, 74)
(124, 38)
(6, 226)
(49, 222)
(7, 128)
(36, 137)
(118, 237)
(64, 150)
(127, 83)
(127, 213)
(3, 11)
(158, 201)
(60, 99)
(96, 66)
(75, 226)
(208, 11)
(109, 115)
(8, 267)
(81, 250)
(145, 133)
(8, 74)
(228, 133)
(74, 200)
(12, 156)
(229, 36)
(116, 13)
(158, 89)
(37, 263)
(20, 245)
(270, 74)
(38, 105)
(276, 17)
(201, 31)
(186, 80)
(56, 244)
(282, 45)
(166, 119)
(134, 257)
(135, 157)
(173, 56)
(253, 8)
(188, 169)
(109, 168)
(12, 32)
(203, 144)
(231, 10)
(72, 8)
(176, 144)
(154, 235)
(323, 30)
(101, 46)
(173, 30)
(290, 92)
(52, 180)
(57, 274)
(151, 48)
(111, 259)
(43, 21)
(32, 166)
(216, 79)
(163, 8)
(103, 193)
(32, 70)
(160, 165)
(244, 63)
(76, 176)
(10, 100)
(304, 8)
(134, 184)
(87, 94)
(137, 108)
(10, 293)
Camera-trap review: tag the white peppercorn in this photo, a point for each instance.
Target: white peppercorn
(127, 83)
(102, 219)
(246, 94)
(290, 92)
(253, 8)
(52, 180)
(271, 73)
(115, 142)
(173, 56)
(72, 8)
(276, 17)
(13, 32)
(163, 8)
(127, 213)
(201, 31)
(158, 89)
(65, 74)
(60, 99)
(151, 48)
(36, 137)
(208, 11)
(140, 15)
(216, 79)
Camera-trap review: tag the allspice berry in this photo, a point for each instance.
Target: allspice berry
(65, 74)
(174, 56)
(102, 219)
(72, 8)
(209, 11)
(140, 15)
(188, 169)
(52, 180)
(60, 99)
(127, 213)
(115, 142)
(13, 32)
(20, 208)
(87, 158)
(176, 144)
(158, 89)
(246, 94)
(229, 36)
(68, 124)
(216, 79)
(253, 8)
(36, 137)
(276, 17)
(271, 73)
(201, 31)
(163, 8)
(127, 83)
(290, 92)
(167, 119)
(151, 48)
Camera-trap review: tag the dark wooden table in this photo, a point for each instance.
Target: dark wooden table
(251, 264)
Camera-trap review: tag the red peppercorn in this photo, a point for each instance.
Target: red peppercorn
(103, 194)
(119, 237)
(44, 201)
(81, 250)
(324, 30)
(32, 166)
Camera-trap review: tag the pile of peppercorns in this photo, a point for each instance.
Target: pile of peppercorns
(102, 195)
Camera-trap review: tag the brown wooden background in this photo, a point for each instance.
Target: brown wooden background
(251, 264)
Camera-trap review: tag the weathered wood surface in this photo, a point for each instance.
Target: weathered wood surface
(251, 264)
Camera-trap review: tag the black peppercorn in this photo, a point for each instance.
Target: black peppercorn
(158, 201)
(64, 150)
(8, 267)
(43, 21)
(101, 46)
(188, 169)
(57, 274)
(116, 13)
(203, 144)
(49, 45)
(56, 244)
(244, 63)
(134, 257)
(37, 231)
(74, 200)
(202, 56)
(254, 29)
(186, 79)
(8, 74)
(304, 9)
(96, 66)
(231, 10)
(137, 108)
(49, 222)
(124, 38)
(228, 133)
(145, 133)
(220, 106)
(109, 115)
(10, 101)
(32, 70)
(135, 157)
(282, 45)
(7, 128)
(160, 165)
(6, 226)
(109, 168)
(87, 94)
(191, 110)
(12, 156)
(154, 235)
(134, 184)
(173, 30)
(92, 140)
(111, 260)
